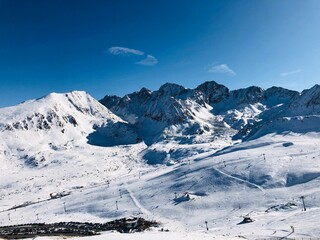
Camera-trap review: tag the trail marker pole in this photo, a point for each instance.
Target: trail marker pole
(206, 225)
(292, 229)
(120, 193)
(303, 203)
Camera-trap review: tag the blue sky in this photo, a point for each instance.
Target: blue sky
(117, 46)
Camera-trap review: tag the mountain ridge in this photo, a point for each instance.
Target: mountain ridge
(172, 104)
(209, 113)
(183, 157)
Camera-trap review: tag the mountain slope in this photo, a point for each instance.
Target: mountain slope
(100, 167)
(211, 110)
(54, 110)
(55, 123)
(300, 115)
(263, 179)
(172, 107)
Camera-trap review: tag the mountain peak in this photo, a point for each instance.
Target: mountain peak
(171, 89)
(252, 94)
(54, 109)
(144, 93)
(311, 97)
(209, 85)
(212, 91)
(316, 87)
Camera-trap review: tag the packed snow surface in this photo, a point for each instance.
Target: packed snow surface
(65, 157)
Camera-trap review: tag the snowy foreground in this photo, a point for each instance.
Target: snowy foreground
(170, 156)
(263, 179)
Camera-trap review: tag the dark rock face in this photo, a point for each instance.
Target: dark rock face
(248, 95)
(110, 101)
(41, 122)
(166, 105)
(277, 95)
(308, 99)
(213, 92)
(173, 104)
(171, 90)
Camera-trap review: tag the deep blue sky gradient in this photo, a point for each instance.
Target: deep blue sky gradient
(59, 46)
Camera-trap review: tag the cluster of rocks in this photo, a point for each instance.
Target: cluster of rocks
(124, 225)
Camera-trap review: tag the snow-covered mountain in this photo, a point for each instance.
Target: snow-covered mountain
(36, 129)
(227, 154)
(307, 103)
(300, 115)
(172, 109)
(55, 111)
(211, 110)
(173, 115)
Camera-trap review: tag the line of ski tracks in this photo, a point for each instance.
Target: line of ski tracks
(137, 203)
(241, 180)
(152, 215)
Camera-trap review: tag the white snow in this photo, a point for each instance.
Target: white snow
(209, 179)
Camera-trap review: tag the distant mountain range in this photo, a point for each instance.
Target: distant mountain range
(183, 157)
(208, 113)
(210, 109)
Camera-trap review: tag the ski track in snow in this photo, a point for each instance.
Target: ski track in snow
(241, 180)
(39, 156)
(137, 203)
(151, 215)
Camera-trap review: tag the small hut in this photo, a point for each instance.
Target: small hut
(247, 219)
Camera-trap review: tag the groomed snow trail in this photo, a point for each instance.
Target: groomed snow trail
(241, 180)
(137, 203)
(165, 222)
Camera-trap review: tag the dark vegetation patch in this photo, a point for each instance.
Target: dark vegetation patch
(123, 225)
(287, 144)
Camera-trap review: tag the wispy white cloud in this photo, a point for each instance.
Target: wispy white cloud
(284, 74)
(221, 68)
(148, 61)
(124, 51)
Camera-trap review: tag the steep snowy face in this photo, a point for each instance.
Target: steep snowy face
(248, 95)
(201, 109)
(55, 111)
(308, 103)
(241, 106)
(34, 129)
(300, 113)
(278, 95)
(212, 92)
(172, 105)
(171, 90)
(110, 101)
(244, 107)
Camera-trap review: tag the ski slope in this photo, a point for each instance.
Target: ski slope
(65, 157)
(245, 179)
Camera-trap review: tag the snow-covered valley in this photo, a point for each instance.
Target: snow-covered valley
(196, 160)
